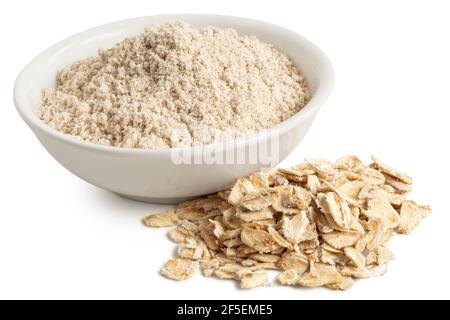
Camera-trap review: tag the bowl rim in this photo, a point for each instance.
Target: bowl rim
(324, 88)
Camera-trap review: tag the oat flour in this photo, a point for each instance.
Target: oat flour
(173, 85)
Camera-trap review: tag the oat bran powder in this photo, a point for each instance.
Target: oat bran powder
(172, 86)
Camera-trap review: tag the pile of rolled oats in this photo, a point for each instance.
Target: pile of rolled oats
(318, 223)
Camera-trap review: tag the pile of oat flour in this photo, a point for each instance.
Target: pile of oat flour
(173, 85)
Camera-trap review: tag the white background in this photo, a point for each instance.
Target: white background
(63, 238)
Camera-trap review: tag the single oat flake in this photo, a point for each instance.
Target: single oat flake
(316, 224)
(179, 269)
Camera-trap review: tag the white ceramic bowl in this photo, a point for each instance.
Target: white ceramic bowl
(149, 175)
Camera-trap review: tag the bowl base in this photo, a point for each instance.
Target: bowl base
(156, 200)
